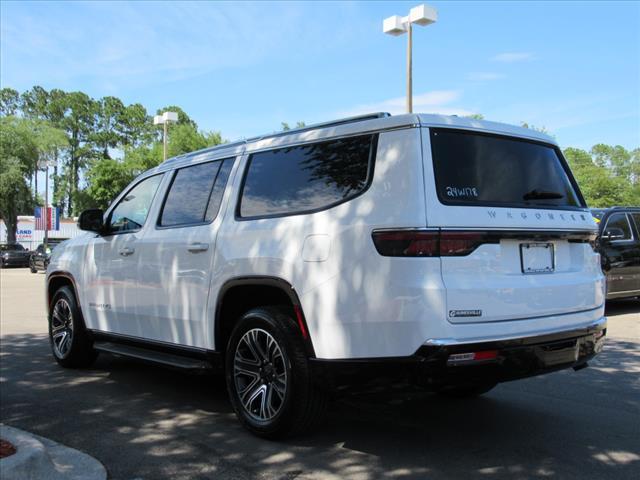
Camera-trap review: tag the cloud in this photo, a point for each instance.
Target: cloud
(511, 57)
(436, 101)
(484, 76)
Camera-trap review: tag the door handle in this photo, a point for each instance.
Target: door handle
(198, 247)
(126, 251)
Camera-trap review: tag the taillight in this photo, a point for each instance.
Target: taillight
(407, 243)
(423, 243)
(462, 243)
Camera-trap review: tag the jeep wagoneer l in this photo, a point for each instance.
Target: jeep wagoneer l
(443, 253)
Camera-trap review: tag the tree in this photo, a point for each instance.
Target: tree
(184, 138)
(183, 118)
(286, 127)
(78, 123)
(135, 126)
(107, 134)
(9, 102)
(533, 127)
(617, 159)
(599, 187)
(106, 179)
(18, 156)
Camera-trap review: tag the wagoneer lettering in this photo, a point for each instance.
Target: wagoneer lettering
(431, 252)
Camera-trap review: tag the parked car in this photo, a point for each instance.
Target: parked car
(436, 252)
(13, 255)
(619, 247)
(40, 256)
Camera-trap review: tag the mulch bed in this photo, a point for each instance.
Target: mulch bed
(6, 449)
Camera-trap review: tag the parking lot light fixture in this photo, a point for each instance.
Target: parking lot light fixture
(164, 120)
(45, 164)
(396, 25)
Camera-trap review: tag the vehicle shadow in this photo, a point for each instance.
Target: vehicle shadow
(622, 307)
(148, 422)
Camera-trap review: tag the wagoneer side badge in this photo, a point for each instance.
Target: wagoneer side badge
(465, 313)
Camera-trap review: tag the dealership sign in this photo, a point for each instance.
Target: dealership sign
(24, 234)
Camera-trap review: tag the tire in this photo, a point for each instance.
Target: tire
(467, 391)
(268, 375)
(68, 337)
(32, 268)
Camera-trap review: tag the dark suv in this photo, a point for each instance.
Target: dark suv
(39, 260)
(619, 246)
(13, 255)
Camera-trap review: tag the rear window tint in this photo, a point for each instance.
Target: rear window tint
(306, 177)
(480, 169)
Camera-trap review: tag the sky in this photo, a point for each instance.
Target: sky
(242, 68)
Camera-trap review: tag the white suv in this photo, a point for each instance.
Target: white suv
(415, 250)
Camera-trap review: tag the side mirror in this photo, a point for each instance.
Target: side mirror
(613, 233)
(91, 220)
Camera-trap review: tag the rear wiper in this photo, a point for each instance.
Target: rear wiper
(541, 195)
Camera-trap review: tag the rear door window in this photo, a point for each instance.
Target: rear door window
(481, 169)
(307, 178)
(195, 194)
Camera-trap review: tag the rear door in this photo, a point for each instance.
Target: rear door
(530, 255)
(176, 256)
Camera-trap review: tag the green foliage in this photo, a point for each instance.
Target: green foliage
(22, 142)
(106, 179)
(601, 183)
(475, 116)
(286, 127)
(184, 138)
(183, 118)
(9, 101)
(533, 127)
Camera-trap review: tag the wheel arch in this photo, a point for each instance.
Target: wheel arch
(57, 280)
(241, 294)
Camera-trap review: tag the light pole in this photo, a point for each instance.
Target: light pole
(46, 164)
(396, 25)
(164, 120)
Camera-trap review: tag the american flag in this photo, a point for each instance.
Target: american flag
(47, 218)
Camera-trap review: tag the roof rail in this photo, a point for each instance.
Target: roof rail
(333, 123)
(220, 146)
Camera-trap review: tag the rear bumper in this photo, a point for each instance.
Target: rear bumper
(433, 367)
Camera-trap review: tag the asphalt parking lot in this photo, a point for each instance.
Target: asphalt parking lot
(145, 422)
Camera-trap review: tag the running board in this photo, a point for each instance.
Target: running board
(162, 358)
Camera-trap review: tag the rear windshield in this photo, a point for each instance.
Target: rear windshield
(480, 169)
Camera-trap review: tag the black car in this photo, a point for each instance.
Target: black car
(619, 246)
(14, 255)
(40, 257)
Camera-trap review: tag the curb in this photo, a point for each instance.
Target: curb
(39, 458)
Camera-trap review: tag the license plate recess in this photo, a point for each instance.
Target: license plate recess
(537, 258)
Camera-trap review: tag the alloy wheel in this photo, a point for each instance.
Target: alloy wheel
(61, 328)
(260, 374)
